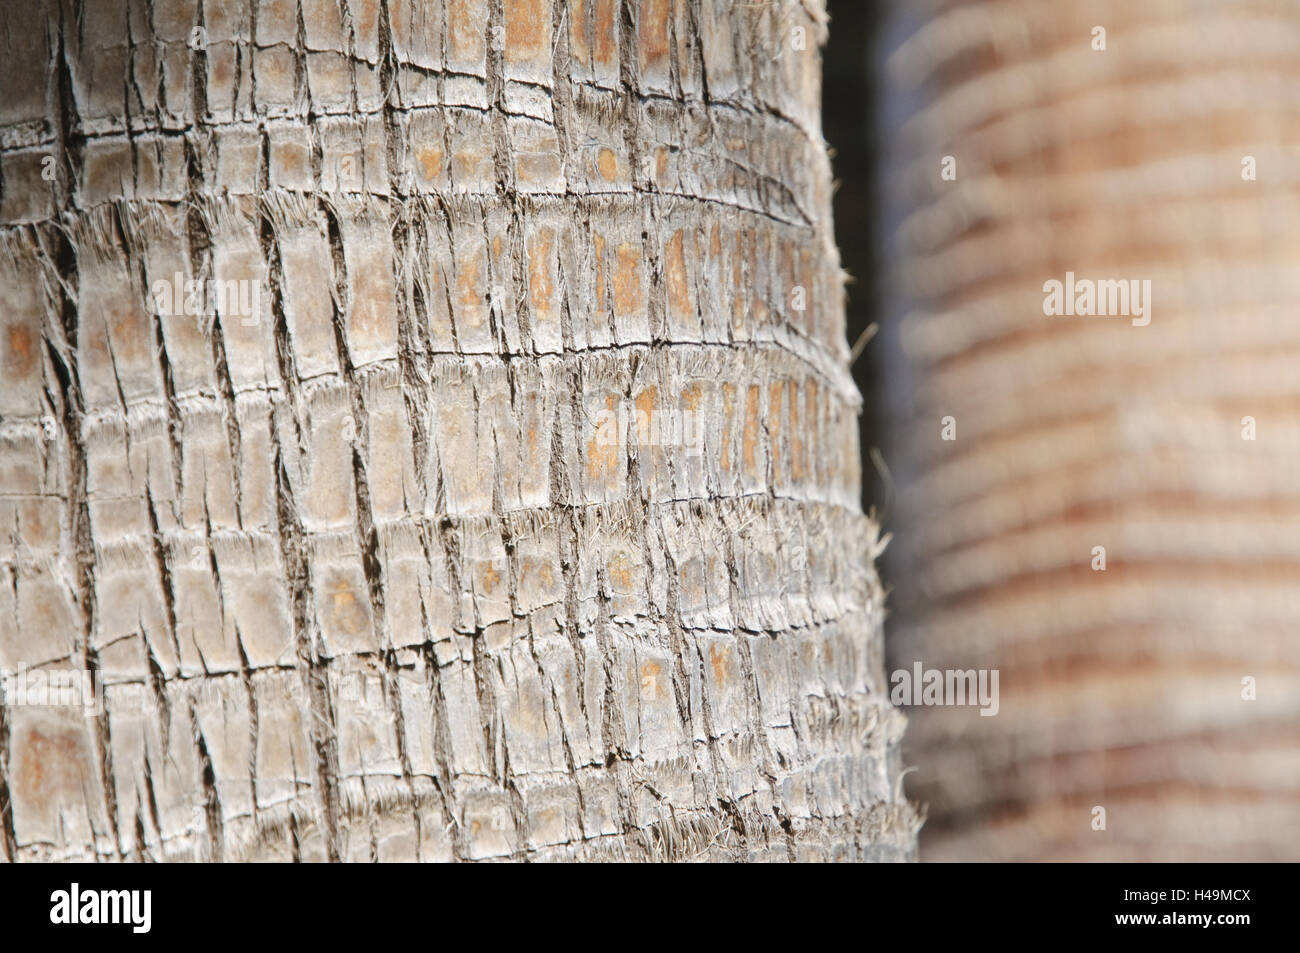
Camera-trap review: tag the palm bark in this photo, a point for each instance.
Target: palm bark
(359, 575)
(1123, 688)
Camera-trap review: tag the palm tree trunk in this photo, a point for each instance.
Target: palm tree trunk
(505, 502)
(1157, 680)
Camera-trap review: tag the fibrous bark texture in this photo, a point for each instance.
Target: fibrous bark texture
(1159, 681)
(505, 507)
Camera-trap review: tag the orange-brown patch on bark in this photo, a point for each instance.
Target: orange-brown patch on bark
(645, 405)
(373, 301)
(530, 567)
(762, 238)
(728, 413)
(21, 353)
(719, 659)
(650, 687)
(606, 40)
(812, 405)
(598, 243)
(540, 286)
(430, 159)
(579, 48)
(221, 70)
(620, 572)
(489, 577)
(774, 409)
(652, 31)
(691, 394)
(602, 456)
(468, 293)
(738, 281)
(527, 23)
(607, 163)
(749, 441)
(679, 296)
(796, 437)
(53, 762)
(345, 611)
(462, 36)
(131, 343)
(628, 296)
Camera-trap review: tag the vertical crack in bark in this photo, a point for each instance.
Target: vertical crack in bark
(162, 566)
(502, 148)
(151, 802)
(613, 730)
(175, 422)
(408, 250)
(563, 496)
(301, 86)
(61, 260)
(69, 144)
(682, 648)
(629, 81)
(229, 413)
(754, 701)
(562, 93)
(312, 669)
(6, 801)
(442, 748)
(697, 33)
(250, 695)
(367, 535)
(487, 704)
(294, 553)
(211, 800)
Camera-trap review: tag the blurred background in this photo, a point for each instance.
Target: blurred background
(1114, 523)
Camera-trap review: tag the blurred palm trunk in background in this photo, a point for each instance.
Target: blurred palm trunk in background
(1127, 688)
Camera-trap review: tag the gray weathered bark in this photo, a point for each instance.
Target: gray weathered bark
(360, 571)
